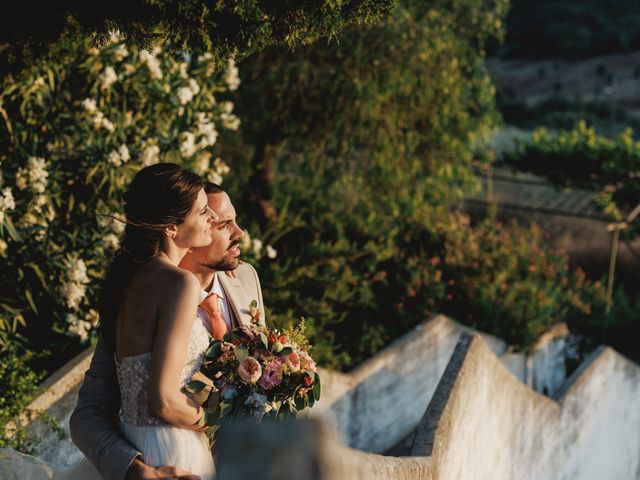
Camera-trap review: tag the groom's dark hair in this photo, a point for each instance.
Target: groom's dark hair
(210, 187)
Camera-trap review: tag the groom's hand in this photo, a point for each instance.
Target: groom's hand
(138, 470)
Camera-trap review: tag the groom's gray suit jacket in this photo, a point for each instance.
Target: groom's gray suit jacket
(93, 423)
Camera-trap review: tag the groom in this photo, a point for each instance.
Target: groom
(94, 421)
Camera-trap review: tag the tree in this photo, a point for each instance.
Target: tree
(351, 156)
(224, 28)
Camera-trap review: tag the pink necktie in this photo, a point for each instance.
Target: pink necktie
(216, 320)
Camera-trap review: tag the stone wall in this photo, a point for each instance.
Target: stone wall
(379, 403)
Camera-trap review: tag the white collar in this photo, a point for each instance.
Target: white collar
(216, 288)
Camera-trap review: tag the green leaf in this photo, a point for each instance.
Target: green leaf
(36, 269)
(241, 353)
(29, 297)
(268, 320)
(311, 399)
(194, 386)
(11, 229)
(285, 351)
(265, 341)
(300, 403)
(253, 304)
(214, 350)
(317, 389)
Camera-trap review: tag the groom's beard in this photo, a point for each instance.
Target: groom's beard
(227, 262)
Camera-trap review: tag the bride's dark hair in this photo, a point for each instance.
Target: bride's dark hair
(158, 196)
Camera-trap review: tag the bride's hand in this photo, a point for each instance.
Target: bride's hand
(232, 273)
(141, 471)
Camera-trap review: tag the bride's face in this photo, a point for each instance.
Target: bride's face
(195, 231)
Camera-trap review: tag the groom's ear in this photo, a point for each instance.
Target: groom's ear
(171, 231)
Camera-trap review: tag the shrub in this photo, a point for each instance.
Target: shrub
(579, 158)
(511, 283)
(18, 384)
(75, 128)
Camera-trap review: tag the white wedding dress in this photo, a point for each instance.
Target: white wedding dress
(160, 443)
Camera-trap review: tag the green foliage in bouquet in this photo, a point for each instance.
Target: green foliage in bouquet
(74, 129)
(579, 158)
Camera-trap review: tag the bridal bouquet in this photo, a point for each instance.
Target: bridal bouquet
(255, 371)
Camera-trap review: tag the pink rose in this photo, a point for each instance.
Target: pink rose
(307, 362)
(249, 370)
(292, 361)
(272, 375)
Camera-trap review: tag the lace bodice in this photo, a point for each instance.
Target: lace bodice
(133, 377)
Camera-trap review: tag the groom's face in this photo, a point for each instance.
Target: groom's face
(223, 253)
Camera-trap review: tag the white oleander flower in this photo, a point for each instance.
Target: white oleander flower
(245, 242)
(202, 163)
(107, 78)
(152, 63)
(221, 167)
(230, 121)
(119, 156)
(183, 67)
(128, 68)
(89, 105)
(184, 95)
(39, 201)
(114, 158)
(35, 174)
(188, 144)
(219, 170)
(150, 155)
(194, 86)
(231, 77)
(120, 53)
(78, 327)
(124, 153)
(115, 36)
(271, 252)
(206, 130)
(74, 286)
(111, 241)
(7, 202)
(227, 107)
(97, 118)
(107, 125)
(256, 246)
(205, 57)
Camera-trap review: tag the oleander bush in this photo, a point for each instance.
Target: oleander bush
(74, 130)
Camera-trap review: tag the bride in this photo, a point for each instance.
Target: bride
(148, 313)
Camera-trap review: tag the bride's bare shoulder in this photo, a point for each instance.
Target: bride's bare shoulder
(171, 278)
